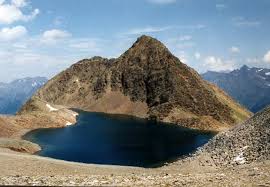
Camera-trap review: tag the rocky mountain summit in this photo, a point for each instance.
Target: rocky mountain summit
(146, 81)
(14, 94)
(248, 86)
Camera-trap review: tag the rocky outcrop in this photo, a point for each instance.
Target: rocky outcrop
(146, 81)
(246, 143)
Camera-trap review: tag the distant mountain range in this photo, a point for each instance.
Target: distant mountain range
(14, 94)
(249, 86)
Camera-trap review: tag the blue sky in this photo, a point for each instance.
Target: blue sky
(42, 38)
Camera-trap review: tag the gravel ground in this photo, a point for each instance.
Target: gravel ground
(250, 176)
(246, 143)
(23, 169)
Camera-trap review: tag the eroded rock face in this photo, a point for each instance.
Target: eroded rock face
(146, 81)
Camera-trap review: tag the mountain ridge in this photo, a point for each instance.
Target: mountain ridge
(146, 81)
(15, 93)
(249, 86)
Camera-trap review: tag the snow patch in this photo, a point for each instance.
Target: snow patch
(267, 74)
(68, 123)
(75, 114)
(34, 84)
(240, 158)
(245, 147)
(51, 108)
(259, 70)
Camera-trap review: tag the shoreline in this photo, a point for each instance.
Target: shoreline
(25, 133)
(22, 124)
(58, 111)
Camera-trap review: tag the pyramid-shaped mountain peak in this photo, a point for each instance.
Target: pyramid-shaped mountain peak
(146, 81)
(148, 42)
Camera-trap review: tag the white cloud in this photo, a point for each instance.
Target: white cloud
(266, 57)
(234, 49)
(85, 45)
(243, 22)
(220, 6)
(30, 57)
(30, 63)
(253, 61)
(192, 27)
(185, 38)
(197, 56)
(146, 30)
(162, 1)
(182, 56)
(8, 34)
(54, 35)
(185, 45)
(58, 21)
(12, 12)
(151, 29)
(182, 39)
(19, 3)
(217, 64)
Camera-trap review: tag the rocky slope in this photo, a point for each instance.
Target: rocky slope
(146, 81)
(14, 94)
(248, 86)
(43, 115)
(243, 144)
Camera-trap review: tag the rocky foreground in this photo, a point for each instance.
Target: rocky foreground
(253, 177)
(21, 169)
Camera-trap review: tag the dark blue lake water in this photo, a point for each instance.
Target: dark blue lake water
(118, 140)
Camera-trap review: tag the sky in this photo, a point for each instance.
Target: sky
(43, 38)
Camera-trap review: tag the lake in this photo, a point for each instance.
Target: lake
(99, 138)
